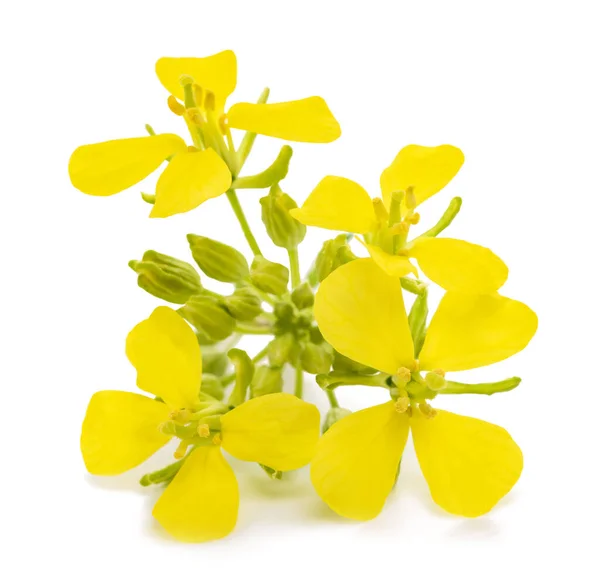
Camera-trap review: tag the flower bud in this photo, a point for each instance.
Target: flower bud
(217, 260)
(284, 230)
(303, 296)
(167, 277)
(332, 255)
(211, 385)
(316, 358)
(214, 362)
(207, 315)
(243, 305)
(334, 415)
(268, 276)
(342, 363)
(266, 380)
(280, 349)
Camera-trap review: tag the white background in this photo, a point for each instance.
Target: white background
(513, 83)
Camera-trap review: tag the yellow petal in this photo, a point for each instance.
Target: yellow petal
(120, 431)
(278, 430)
(357, 460)
(189, 180)
(165, 352)
(457, 265)
(307, 120)
(469, 464)
(392, 264)
(217, 73)
(426, 169)
(338, 204)
(468, 331)
(360, 312)
(201, 502)
(108, 167)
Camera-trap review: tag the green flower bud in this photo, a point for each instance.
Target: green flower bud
(214, 362)
(284, 230)
(334, 415)
(243, 305)
(266, 380)
(316, 358)
(315, 335)
(207, 315)
(268, 276)
(280, 349)
(217, 260)
(333, 254)
(342, 364)
(167, 277)
(211, 385)
(303, 296)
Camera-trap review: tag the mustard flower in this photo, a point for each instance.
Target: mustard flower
(122, 429)
(417, 173)
(468, 464)
(200, 172)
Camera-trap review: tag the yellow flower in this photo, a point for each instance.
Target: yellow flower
(416, 174)
(469, 464)
(123, 429)
(196, 174)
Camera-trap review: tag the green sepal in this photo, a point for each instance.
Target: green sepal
(270, 277)
(244, 372)
(275, 173)
(343, 364)
(266, 381)
(303, 296)
(243, 304)
(333, 416)
(207, 315)
(284, 230)
(211, 385)
(316, 358)
(280, 349)
(271, 472)
(167, 277)
(217, 260)
(417, 321)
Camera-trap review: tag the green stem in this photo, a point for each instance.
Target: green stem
(334, 379)
(332, 398)
(249, 138)
(453, 388)
(239, 214)
(294, 267)
(164, 474)
(252, 329)
(445, 220)
(299, 382)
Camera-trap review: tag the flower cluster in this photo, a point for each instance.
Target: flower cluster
(345, 321)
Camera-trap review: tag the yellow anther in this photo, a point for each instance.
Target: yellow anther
(209, 101)
(427, 410)
(198, 94)
(181, 449)
(400, 229)
(410, 201)
(402, 404)
(413, 218)
(186, 80)
(192, 149)
(403, 374)
(217, 439)
(175, 106)
(435, 380)
(381, 212)
(180, 415)
(195, 116)
(203, 430)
